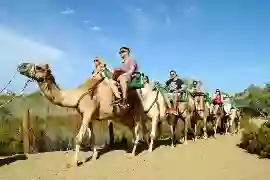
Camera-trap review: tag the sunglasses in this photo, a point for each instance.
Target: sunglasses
(95, 60)
(122, 52)
(173, 74)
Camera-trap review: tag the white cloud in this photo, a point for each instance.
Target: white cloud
(86, 21)
(95, 28)
(68, 11)
(16, 48)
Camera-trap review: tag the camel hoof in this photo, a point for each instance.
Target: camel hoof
(185, 142)
(173, 146)
(204, 137)
(94, 157)
(79, 163)
(150, 150)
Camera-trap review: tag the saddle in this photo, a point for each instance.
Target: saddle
(164, 90)
(136, 78)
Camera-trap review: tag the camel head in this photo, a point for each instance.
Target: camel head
(39, 73)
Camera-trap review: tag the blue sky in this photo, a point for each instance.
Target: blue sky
(225, 43)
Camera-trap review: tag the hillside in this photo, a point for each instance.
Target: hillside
(255, 97)
(35, 101)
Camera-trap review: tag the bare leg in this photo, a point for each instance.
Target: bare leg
(175, 99)
(123, 82)
(113, 87)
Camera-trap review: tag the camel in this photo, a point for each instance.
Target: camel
(200, 113)
(92, 100)
(155, 107)
(233, 118)
(217, 117)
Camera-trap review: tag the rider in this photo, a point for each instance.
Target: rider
(217, 99)
(197, 89)
(124, 73)
(227, 105)
(175, 85)
(98, 65)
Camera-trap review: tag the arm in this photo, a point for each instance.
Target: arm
(167, 83)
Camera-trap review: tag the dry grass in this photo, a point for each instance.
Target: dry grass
(256, 138)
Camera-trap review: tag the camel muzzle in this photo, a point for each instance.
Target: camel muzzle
(22, 68)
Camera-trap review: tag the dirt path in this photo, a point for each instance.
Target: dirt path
(210, 159)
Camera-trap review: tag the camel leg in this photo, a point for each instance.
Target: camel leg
(137, 138)
(186, 124)
(231, 127)
(216, 122)
(238, 126)
(195, 132)
(78, 140)
(204, 126)
(92, 137)
(145, 134)
(153, 133)
(173, 123)
(227, 125)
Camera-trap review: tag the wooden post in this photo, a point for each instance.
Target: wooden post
(32, 137)
(25, 127)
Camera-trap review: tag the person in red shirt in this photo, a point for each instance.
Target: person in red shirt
(216, 99)
(124, 73)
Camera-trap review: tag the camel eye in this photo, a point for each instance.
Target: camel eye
(38, 68)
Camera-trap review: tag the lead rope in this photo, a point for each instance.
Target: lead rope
(5, 87)
(14, 96)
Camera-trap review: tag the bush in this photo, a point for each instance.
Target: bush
(256, 140)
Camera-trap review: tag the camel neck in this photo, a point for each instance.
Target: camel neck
(52, 92)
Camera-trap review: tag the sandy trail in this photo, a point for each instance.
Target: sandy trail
(210, 159)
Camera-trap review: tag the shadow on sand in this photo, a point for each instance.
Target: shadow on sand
(11, 159)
